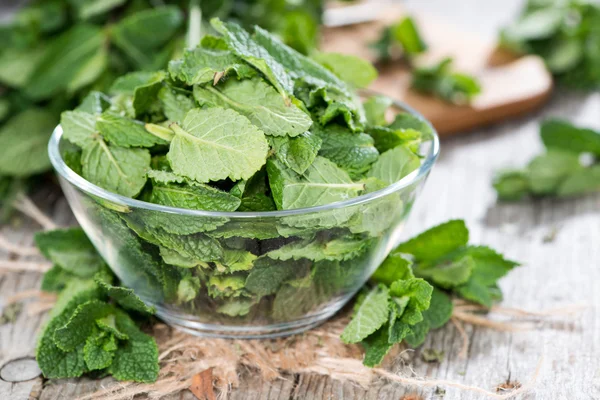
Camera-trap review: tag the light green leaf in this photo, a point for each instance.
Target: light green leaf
(387, 138)
(176, 103)
(354, 70)
(376, 347)
(584, 181)
(99, 350)
(78, 127)
(394, 267)
(297, 153)
(66, 56)
(369, 316)
(214, 144)
(340, 249)
(24, 143)
(126, 298)
(203, 65)
(240, 42)
(353, 152)
(449, 274)
(376, 108)
(81, 324)
(322, 183)
(394, 165)
(142, 34)
(71, 250)
(195, 196)
(437, 241)
(547, 171)
(407, 34)
(137, 359)
(125, 132)
(268, 275)
(118, 169)
(564, 136)
(257, 100)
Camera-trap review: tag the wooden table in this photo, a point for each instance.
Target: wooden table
(561, 272)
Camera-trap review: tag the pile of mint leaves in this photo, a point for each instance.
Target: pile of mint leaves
(403, 40)
(244, 123)
(569, 167)
(94, 328)
(565, 33)
(54, 52)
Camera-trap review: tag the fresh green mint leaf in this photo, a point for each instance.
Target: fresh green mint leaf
(220, 286)
(353, 152)
(584, 181)
(394, 267)
(511, 185)
(26, 154)
(340, 249)
(195, 196)
(124, 132)
(126, 298)
(369, 315)
(137, 359)
(245, 47)
(109, 324)
(394, 165)
(547, 171)
(322, 183)
(78, 127)
(376, 108)
(418, 292)
(205, 147)
(187, 290)
(562, 135)
(208, 65)
(142, 34)
(297, 153)
(71, 250)
(448, 274)
(408, 36)
(437, 241)
(437, 315)
(356, 71)
(56, 279)
(268, 275)
(99, 350)
(65, 58)
(117, 169)
(81, 324)
(94, 103)
(176, 103)
(259, 102)
(376, 347)
(386, 138)
(439, 80)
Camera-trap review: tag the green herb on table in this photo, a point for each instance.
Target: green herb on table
(93, 328)
(441, 81)
(569, 167)
(565, 34)
(412, 289)
(401, 37)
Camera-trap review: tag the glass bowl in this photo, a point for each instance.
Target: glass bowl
(243, 274)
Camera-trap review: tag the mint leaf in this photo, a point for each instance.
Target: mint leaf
(144, 33)
(437, 241)
(116, 169)
(125, 132)
(584, 181)
(137, 359)
(55, 279)
(25, 155)
(240, 42)
(267, 275)
(195, 196)
(437, 315)
(94, 103)
(258, 101)
(418, 292)
(340, 249)
(126, 298)
(376, 347)
(205, 139)
(297, 153)
(375, 109)
(71, 250)
(356, 71)
(65, 58)
(322, 183)
(176, 103)
(448, 274)
(441, 81)
(394, 165)
(206, 65)
(99, 350)
(408, 36)
(81, 324)
(387, 138)
(78, 127)
(511, 185)
(547, 171)
(109, 324)
(394, 267)
(353, 152)
(369, 315)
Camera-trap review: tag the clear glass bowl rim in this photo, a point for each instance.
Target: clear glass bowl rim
(78, 181)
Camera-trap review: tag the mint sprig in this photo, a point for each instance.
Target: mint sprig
(413, 288)
(569, 167)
